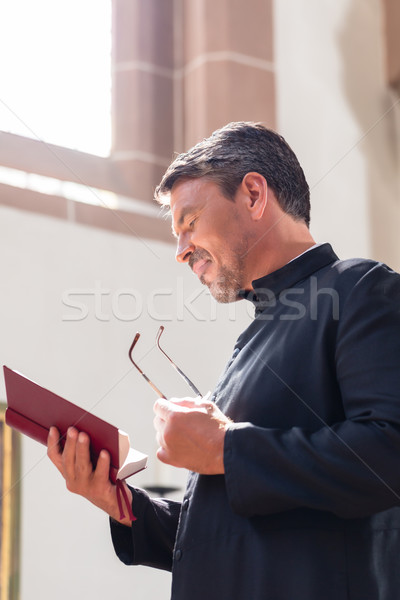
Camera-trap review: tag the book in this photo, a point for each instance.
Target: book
(32, 410)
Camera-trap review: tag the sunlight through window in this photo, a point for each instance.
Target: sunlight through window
(55, 72)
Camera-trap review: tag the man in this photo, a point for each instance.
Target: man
(294, 489)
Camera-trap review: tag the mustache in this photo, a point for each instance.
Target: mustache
(198, 254)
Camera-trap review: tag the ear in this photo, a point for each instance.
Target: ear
(255, 188)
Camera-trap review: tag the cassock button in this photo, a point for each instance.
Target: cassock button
(185, 504)
(178, 554)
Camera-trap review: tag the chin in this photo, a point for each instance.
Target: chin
(223, 295)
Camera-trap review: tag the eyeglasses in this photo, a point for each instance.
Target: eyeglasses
(181, 373)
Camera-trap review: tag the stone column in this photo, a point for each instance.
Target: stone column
(391, 18)
(142, 92)
(182, 68)
(228, 72)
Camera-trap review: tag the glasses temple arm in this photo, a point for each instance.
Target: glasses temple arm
(153, 386)
(181, 373)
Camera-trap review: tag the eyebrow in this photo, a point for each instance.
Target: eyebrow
(185, 211)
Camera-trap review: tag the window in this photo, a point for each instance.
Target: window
(55, 72)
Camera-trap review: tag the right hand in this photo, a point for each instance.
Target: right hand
(80, 477)
(191, 434)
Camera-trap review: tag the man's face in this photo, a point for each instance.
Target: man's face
(211, 236)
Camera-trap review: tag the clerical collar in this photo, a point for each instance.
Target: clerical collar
(299, 268)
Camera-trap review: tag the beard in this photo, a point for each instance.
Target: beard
(226, 286)
(230, 276)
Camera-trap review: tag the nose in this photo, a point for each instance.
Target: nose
(184, 249)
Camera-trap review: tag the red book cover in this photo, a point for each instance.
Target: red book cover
(32, 410)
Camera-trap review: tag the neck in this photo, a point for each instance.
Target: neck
(282, 243)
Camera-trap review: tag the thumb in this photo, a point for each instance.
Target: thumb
(191, 402)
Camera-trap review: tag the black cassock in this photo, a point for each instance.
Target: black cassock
(308, 508)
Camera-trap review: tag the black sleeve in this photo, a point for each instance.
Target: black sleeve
(350, 468)
(151, 538)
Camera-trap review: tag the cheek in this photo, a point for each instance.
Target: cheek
(218, 235)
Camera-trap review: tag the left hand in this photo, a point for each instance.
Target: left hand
(76, 467)
(191, 434)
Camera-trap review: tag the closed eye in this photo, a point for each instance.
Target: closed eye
(190, 225)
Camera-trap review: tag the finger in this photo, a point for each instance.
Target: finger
(160, 439)
(69, 454)
(165, 456)
(102, 471)
(158, 423)
(83, 463)
(185, 402)
(208, 407)
(53, 448)
(162, 455)
(162, 408)
(53, 441)
(189, 402)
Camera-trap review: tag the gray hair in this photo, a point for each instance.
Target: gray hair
(235, 150)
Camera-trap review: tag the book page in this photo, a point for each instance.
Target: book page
(135, 461)
(123, 446)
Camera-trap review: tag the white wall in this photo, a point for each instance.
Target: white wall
(44, 263)
(336, 111)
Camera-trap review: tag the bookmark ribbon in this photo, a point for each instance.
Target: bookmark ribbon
(122, 498)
